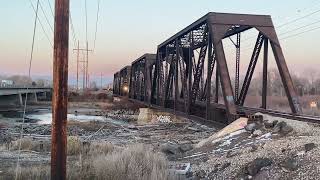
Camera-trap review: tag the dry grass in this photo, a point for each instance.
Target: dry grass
(74, 145)
(133, 163)
(30, 144)
(91, 126)
(34, 173)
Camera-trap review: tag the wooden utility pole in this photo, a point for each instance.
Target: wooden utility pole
(60, 91)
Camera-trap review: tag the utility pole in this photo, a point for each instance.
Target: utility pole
(85, 65)
(60, 91)
(78, 51)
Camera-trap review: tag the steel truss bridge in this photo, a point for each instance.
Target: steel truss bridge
(179, 76)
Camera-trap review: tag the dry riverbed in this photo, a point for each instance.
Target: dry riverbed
(101, 134)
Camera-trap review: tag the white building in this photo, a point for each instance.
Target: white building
(7, 83)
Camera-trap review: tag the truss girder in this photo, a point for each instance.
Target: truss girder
(177, 79)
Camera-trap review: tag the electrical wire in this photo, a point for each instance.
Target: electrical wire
(45, 16)
(95, 34)
(86, 14)
(25, 102)
(50, 8)
(297, 34)
(73, 31)
(44, 31)
(298, 19)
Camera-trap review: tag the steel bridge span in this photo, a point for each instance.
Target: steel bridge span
(189, 68)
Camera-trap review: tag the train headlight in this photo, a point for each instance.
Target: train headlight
(125, 88)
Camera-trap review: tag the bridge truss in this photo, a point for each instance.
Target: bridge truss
(182, 74)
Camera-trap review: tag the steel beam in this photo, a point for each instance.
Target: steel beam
(265, 75)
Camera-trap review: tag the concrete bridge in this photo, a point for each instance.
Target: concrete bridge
(16, 95)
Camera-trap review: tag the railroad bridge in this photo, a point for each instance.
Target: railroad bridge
(189, 68)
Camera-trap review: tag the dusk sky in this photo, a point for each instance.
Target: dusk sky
(127, 29)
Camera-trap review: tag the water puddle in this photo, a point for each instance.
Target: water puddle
(46, 118)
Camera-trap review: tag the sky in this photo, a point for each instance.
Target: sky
(127, 29)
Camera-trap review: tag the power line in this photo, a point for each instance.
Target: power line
(45, 16)
(287, 23)
(86, 14)
(95, 34)
(44, 31)
(50, 8)
(72, 30)
(301, 27)
(298, 19)
(297, 34)
(29, 75)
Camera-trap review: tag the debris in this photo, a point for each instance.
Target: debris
(180, 170)
(186, 147)
(224, 166)
(282, 128)
(270, 123)
(250, 127)
(133, 127)
(257, 133)
(234, 126)
(193, 129)
(290, 164)
(309, 146)
(255, 118)
(164, 119)
(170, 148)
(255, 166)
(145, 115)
(116, 99)
(253, 148)
(201, 174)
(232, 154)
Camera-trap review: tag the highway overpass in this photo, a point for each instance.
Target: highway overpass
(16, 95)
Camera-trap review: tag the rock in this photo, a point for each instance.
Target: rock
(132, 127)
(290, 164)
(282, 128)
(186, 147)
(201, 174)
(286, 129)
(270, 123)
(253, 148)
(257, 133)
(225, 165)
(193, 129)
(309, 146)
(255, 166)
(250, 127)
(170, 148)
(205, 158)
(232, 154)
(255, 118)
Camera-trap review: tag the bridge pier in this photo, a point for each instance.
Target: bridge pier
(20, 99)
